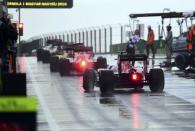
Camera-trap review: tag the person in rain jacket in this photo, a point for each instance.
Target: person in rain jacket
(150, 42)
(168, 43)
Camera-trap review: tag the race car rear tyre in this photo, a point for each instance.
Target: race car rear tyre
(46, 57)
(182, 61)
(54, 64)
(106, 82)
(64, 67)
(156, 80)
(101, 62)
(39, 54)
(43, 55)
(89, 80)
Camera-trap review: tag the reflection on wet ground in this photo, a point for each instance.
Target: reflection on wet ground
(64, 106)
(184, 74)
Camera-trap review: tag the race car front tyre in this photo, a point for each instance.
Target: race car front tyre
(64, 67)
(89, 80)
(101, 63)
(106, 82)
(156, 80)
(54, 64)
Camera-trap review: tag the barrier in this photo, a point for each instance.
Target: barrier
(18, 114)
(14, 84)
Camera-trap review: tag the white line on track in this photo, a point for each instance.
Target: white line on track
(52, 123)
(175, 104)
(183, 112)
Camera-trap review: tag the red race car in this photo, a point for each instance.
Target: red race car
(77, 58)
(124, 75)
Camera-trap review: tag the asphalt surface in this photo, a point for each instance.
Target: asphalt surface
(64, 106)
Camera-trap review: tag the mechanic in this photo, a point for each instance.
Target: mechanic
(189, 39)
(7, 33)
(168, 44)
(150, 42)
(12, 47)
(132, 41)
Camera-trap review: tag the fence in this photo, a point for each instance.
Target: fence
(103, 39)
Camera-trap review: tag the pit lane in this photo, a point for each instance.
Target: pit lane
(64, 106)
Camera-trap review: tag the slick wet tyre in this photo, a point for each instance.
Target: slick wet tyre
(106, 82)
(46, 57)
(89, 80)
(54, 64)
(156, 80)
(65, 67)
(182, 61)
(39, 54)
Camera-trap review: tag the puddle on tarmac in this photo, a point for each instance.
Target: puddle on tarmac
(156, 94)
(92, 94)
(109, 101)
(124, 112)
(185, 75)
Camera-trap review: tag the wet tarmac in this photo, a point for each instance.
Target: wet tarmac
(64, 106)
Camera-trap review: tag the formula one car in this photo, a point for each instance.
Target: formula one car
(44, 53)
(55, 57)
(125, 75)
(75, 59)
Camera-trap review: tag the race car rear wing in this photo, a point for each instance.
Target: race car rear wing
(78, 48)
(136, 57)
(165, 15)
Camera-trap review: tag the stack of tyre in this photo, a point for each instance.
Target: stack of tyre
(183, 60)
